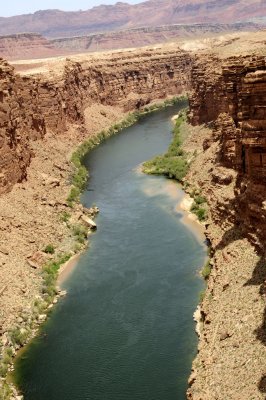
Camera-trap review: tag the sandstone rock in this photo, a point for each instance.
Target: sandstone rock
(224, 335)
(4, 250)
(88, 222)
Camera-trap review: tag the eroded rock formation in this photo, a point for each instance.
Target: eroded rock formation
(62, 104)
(32, 105)
(233, 98)
(229, 95)
(20, 122)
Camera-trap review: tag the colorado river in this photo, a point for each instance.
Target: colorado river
(125, 330)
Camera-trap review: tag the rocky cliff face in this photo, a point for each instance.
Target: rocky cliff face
(229, 95)
(230, 170)
(32, 105)
(20, 122)
(233, 98)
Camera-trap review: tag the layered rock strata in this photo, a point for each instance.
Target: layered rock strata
(230, 170)
(33, 105)
(234, 99)
(46, 113)
(20, 121)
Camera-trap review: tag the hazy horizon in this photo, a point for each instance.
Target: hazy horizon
(16, 7)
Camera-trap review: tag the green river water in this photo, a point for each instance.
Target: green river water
(125, 330)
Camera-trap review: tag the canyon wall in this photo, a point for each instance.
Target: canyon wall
(229, 96)
(21, 120)
(31, 105)
(233, 97)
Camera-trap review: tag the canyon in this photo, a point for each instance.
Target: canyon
(49, 106)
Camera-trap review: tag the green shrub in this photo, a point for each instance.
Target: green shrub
(65, 216)
(80, 173)
(9, 351)
(7, 359)
(202, 295)
(73, 196)
(49, 249)
(173, 163)
(80, 232)
(199, 199)
(50, 272)
(18, 337)
(206, 270)
(5, 390)
(199, 208)
(3, 370)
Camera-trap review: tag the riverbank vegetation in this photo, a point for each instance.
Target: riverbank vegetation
(80, 173)
(206, 270)
(199, 207)
(173, 163)
(30, 320)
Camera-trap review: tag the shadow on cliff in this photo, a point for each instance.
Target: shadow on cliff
(258, 279)
(236, 232)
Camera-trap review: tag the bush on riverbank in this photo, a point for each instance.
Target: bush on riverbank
(173, 163)
(206, 270)
(50, 273)
(5, 391)
(199, 207)
(81, 174)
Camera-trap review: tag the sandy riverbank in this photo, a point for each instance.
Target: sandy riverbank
(67, 269)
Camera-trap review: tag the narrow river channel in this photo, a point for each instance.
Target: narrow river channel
(125, 330)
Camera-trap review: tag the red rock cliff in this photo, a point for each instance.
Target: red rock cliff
(20, 121)
(233, 97)
(32, 105)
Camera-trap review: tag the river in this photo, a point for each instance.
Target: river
(125, 330)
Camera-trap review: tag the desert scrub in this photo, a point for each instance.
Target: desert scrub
(173, 163)
(5, 391)
(206, 270)
(65, 216)
(50, 273)
(49, 249)
(80, 233)
(199, 207)
(80, 174)
(202, 295)
(18, 336)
